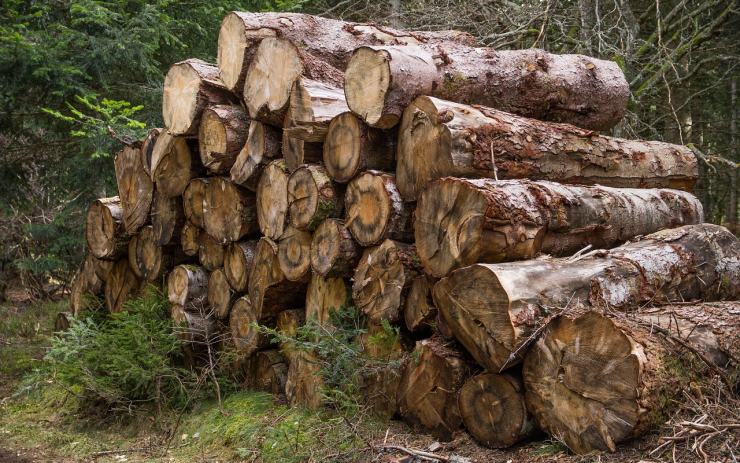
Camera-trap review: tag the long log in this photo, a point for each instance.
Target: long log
(438, 138)
(187, 285)
(121, 285)
(294, 254)
(174, 163)
(334, 253)
(104, 230)
(189, 87)
(267, 371)
(238, 262)
(587, 92)
(383, 278)
(312, 197)
(168, 218)
(494, 309)
(375, 210)
(419, 312)
(190, 239)
(229, 211)
(221, 295)
(269, 290)
(264, 144)
(272, 200)
(459, 222)
(135, 188)
(210, 252)
(193, 198)
(351, 147)
(222, 134)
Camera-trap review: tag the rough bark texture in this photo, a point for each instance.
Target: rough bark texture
(222, 134)
(246, 337)
(590, 93)
(312, 197)
(148, 259)
(375, 210)
(210, 252)
(121, 284)
(135, 188)
(438, 138)
(459, 222)
(229, 211)
(272, 200)
(323, 296)
(267, 371)
(196, 330)
(270, 291)
(147, 149)
(190, 239)
(380, 383)
(220, 295)
(262, 147)
(104, 231)
(187, 285)
(419, 313)
(174, 163)
(303, 386)
(192, 201)
(493, 309)
(383, 278)
(238, 262)
(294, 254)
(87, 285)
(334, 253)
(351, 147)
(287, 323)
(167, 218)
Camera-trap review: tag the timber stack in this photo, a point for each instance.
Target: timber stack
(462, 194)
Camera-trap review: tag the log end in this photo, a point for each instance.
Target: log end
(342, 147)
(275, 66)
(367, 80)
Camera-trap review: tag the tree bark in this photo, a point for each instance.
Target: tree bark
(135, 189)
(294, 254)
(196, 330)
(246, 336)
(334, 253)
(323, 296)
(268, 372)
(287, 323)
(168, 218)
(304, 382)
(121, 285)
(460, 222)
(272, 200)
(351, 147)
(147, 149)
(439, 138)
(262, 147)
(269, 290)
(190, 239)
(104, 231)
(222, 134)
(148, 259)
(229, 211)
(192, 201)
(187, 285)
(494, 310)
(375, 210)
(210, 252)
(221, 296)
(420, 313)
(238, 262)
(380, 383)
(383, 278)
(312, 197)
(87, 285)
(174, 163)
(189, 87)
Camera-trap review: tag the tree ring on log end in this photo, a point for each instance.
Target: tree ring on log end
(242, 323)
(275, 67)
(180, 98)
(368, 208)
(366, 82)
(342, 150)
(294, 254)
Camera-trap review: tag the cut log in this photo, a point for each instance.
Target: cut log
(238, 262)
(264, 144)
(135, 188)
(245, 334)
(190, 239)
(272, 199)
(312, 197)
(351, 147)
(86, 286)
(324, 296)
(62, 322)
(493, 410)
(287, 323)
(494, 309)
(420, 313)
(229, 211)
(375, 210)
(222, 135)
(193, 200)
(590, 93)
(104, 230)
(238, 37)
(460, 222)
(189, 87)
(269, 289)
(294, 254)
(427, 395)
(221, 296)
(197, 330)
(174, 163)
(210, 252)
(267, 371)
(380, 382)
(101, 267)
(304, 383)
(168, 218)
(187, 285)
(383, 278)
(148, 259)
(147, 149)
(121, 285)
(334, 253)
(439, 139)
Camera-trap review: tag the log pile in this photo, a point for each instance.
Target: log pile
(456, 192)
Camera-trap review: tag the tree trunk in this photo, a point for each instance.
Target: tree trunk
(493, 409)
(168, 218)
(312, 197)
(122, 284)
(246, 336)
(270, 291)
(380, 382)
(62, 322)
(272, 199)
(221, 296)
(304, 382)
(334, 253)
(190, 239)
(148, 259)
(420, 313)
(323, 296)
(460, 222)
(351, 147)
(439, 139)
(174, 163)
(135, 188)
(375, 210)
(147, 149)
(187, 285)
(210, 252)
(427, 395)
(104, 230)
(495, 309)
(192, 201)
(587, 92)
(383, 278)
(268, 372)
(222, 135)
(189, 87)
(196, 330)
(238, 262)
(229, 211)
(294, 254)
(262, 147)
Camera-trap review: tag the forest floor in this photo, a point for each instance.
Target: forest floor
(47, 424)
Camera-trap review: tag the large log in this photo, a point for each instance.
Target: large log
(246, 336)
(312, 197)
(147, 149)
(104, 231)
(189, 87)
(438, 138)
(221, 296)
(190, 239)
(351, 147)
(193, 198)
(210, 252)
(334, 253)
(267, 371)
(264, 144)
(148, 259)
(167, 218)
(222, 134)
(135, 188)
(272, 200)
(238, 262)
(324, 296)
(459, 222)
(383, 278)
(587, 92)
(187, 285)
(269, 290)
(121, 285)
(494, 309)
(419, 312)
(174, 163)
(229, 211)
(294, 254)
(375, 210)
(597, 379)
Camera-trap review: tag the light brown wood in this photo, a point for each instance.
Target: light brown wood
(148, 259)
(262, 147)
(312, 197)
(87, 285)
(135, 188)
(147, 149)
(187, 285)
(294, 254)
(210, 252)
(304, 383)
(168, 218)
(287, 323)
(438, 139)
(459, 222)
(238, 37)
(381, 380)
(121, 285)
(104, 231)
(238, 262)
(193, 200)
(222, 135)
(190, 239)
(174, 163)
(245, 334)
(334, 253)
(419, 312)
(229, 211)
(269, 290)
(272, 200)
(324, 296)
(221, 296)
(267, 371)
